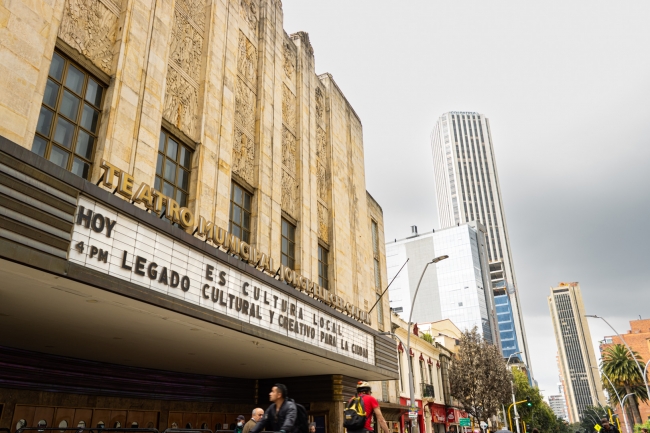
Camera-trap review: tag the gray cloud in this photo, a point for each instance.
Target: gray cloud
(566, 87)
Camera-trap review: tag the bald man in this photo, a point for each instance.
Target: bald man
(258, 413)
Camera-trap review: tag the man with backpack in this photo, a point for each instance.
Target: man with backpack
(357, 417)
(284, 415)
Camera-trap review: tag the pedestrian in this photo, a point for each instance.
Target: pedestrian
(258, 413)
(371, 406)
(607, 427)
(535, 430)
(281, 415)
(239, 427)
(312, 427)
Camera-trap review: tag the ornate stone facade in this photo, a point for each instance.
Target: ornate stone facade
(90, 27)
(243, 155)
(181, 105)
(237, 90)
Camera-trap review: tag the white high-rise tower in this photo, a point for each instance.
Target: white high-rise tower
(467, 189)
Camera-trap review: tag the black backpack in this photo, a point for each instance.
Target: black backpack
(302, 419)
(354, 415)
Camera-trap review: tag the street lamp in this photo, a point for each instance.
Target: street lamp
(512, 388)
(645, 381)
(627, 427)
(414, 428)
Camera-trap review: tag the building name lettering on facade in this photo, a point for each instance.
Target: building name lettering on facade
(102, 242)
(123, 184)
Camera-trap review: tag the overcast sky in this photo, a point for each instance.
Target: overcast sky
(566, 86)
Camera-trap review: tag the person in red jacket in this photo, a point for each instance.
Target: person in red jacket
(371, 406)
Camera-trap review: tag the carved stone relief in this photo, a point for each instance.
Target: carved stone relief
(289, 59)
(194, 9)
(249, 11)
(90, 27)
(247, 60)
(244, 106)
(289, 194)
(181, 102)
(323, 222)
(289, 150)
(186, 46)
(288, 108)
(321, 180)
(320, 105)
(321, 145)
(245, 102)
(243, 156)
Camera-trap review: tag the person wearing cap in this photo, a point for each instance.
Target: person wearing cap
(371, 406)
(607, 427)
(239, 427)
(257, 415)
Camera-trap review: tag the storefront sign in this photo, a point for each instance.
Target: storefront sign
(123, 184)
(438, 414)
(117, 245)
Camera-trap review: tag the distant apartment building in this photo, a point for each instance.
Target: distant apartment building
(467, 189)
(638, 338)
(457, 288)
(558, 405)
(575, 349)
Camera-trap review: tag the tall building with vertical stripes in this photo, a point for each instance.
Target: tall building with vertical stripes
(467, 189)
(577, 358)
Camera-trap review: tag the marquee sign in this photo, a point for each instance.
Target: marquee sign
(123, 184)
(117, 245)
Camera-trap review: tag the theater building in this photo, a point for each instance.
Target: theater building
(183, 219)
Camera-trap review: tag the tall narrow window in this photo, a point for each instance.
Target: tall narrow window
(66, 132)
(380, 311)
(323, 267)
(288, 244)
(240, 213)
(401, 373)
(173, 168)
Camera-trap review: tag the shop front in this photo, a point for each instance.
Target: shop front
(453, 419)
(438, 418)
(111, 316)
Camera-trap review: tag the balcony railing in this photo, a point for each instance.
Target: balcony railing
(427, 390)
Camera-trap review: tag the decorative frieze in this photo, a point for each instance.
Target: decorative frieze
(249, 11)
(290, 199)
(288, 108)
(289, 156)
(243, 156)
(247, 60)
(289, 50)
(323, 222)
(181, 105)
(244, 150)
(90, 27)
(320, 106)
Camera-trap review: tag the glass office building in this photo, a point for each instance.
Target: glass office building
(458, 288)
(507, 331)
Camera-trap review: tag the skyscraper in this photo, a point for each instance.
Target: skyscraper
(467, 189)
(457, 288)
(575, 349)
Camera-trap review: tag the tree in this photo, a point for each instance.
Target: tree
(478, 376)
(539, 414)
(591, 415)
(622, 370)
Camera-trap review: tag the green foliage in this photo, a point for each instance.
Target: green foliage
(623, 371)
(478, 376)
(592, 416)
(427, 337)
(539, 414)
(638, 427)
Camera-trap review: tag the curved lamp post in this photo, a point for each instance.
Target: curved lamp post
(414, 428)
(620, 402)
(512, 389)
(643, 376)
(408, 335)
